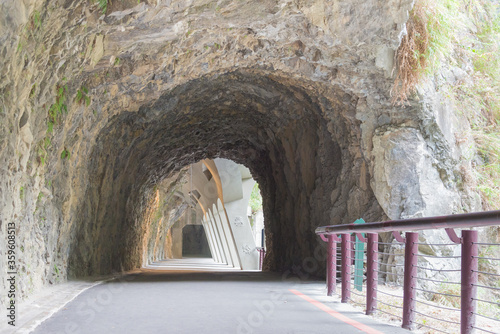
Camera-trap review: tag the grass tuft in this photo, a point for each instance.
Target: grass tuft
(431, 29)
(463, 34)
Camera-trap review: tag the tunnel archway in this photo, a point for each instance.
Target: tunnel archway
(298, 140)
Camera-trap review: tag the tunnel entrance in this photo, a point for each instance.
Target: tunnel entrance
(297, 138)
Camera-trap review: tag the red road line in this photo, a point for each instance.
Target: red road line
(335, 314)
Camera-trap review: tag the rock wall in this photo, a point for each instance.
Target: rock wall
(97, 111)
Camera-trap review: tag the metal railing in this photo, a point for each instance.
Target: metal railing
(262, 254)
(464, 294)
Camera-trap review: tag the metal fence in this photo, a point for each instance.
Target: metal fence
(469, 303)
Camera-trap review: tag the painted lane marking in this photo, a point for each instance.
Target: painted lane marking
(335, 314)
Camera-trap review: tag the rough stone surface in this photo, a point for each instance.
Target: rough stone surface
(405, 180)
(297, 91)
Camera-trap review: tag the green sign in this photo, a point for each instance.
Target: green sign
(358, 260)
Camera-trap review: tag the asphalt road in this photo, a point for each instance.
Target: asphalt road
(208, 300)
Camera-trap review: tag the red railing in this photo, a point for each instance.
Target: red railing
(469, 259)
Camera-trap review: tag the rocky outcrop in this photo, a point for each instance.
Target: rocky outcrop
(97, 111)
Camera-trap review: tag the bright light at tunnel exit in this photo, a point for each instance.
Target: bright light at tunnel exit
(213, 209)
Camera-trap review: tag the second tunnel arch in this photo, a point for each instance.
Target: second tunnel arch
(299, 138)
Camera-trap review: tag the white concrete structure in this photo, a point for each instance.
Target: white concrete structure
(221, 189)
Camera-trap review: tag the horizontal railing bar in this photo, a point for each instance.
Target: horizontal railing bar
(484, 316)
(483, 330)
(354, 302)
(389, 273)
(381, 302)
(439, 257)
(389, 313)
(486, 273)
(486, 301)
(434, 329)
(357, 294)
(390, 254)
(430, 316)
(424, 243)
(390, 265)
(486, 258)
(486, 243)
(437, 281)
(392, 284)
(444, 270)
(437, 293)
(389, 294)
(437, 306)
(465, 220)
(486, 287)
(362, 276)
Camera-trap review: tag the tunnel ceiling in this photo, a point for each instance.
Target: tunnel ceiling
(297, 91)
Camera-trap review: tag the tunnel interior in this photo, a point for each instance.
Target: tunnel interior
(299, 139)
(194, 242)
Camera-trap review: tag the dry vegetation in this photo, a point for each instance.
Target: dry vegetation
(411, 60)
(463, 34)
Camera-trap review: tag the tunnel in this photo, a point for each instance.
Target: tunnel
(145, 90)
(294, 138)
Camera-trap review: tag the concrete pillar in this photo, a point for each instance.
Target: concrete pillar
(229, 235)
(224, 238)
(218, 237)
(210, 238)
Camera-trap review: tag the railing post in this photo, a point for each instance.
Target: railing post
(469, 281)
(353, 249)
(346, 252)
(262, 253)
(410, 279)
(331, 265)
(371, 273)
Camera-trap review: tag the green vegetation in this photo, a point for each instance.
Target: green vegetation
(58, 107)
(33, 91)
(432, 27)
(36, 21)
(460, 33)
(484, 102)
(41, 152)
(38, 201)
(103, 5)
(255, 202)
(65, 154)
(54, 114)
(21, 193)
(82, 96)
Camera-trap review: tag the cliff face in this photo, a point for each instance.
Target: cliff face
(97, 110)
